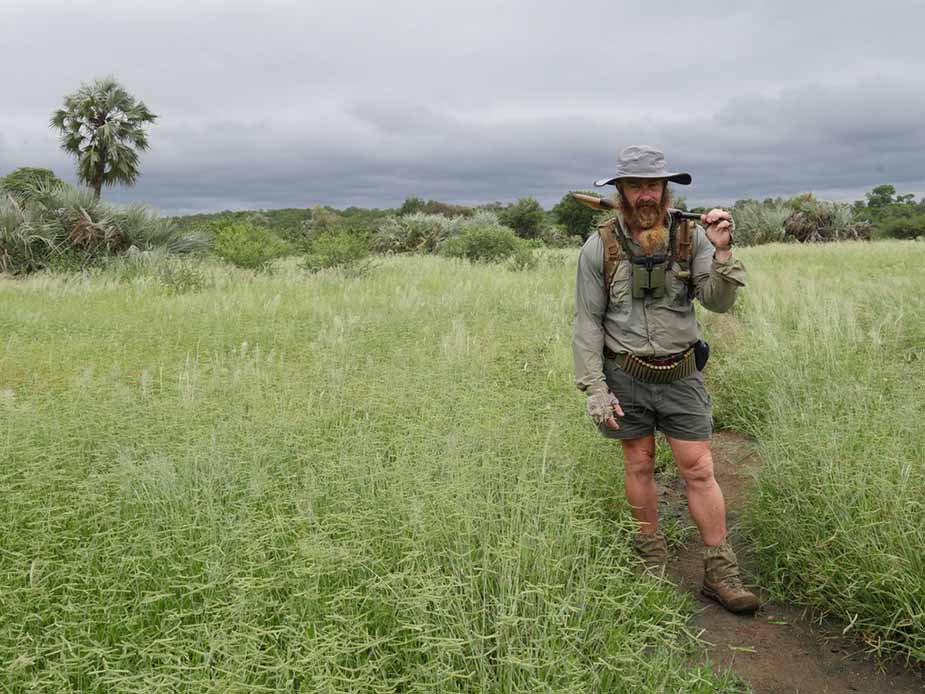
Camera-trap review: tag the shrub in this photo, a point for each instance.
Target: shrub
(575, 217)
(181, 276)
(822, 220)
(247, 246)
(413, 233)
(22, 182)
(338, 249)
(559, 237)
(484, 244)
(904, 226)
(525, 217)
(760, 222)
(524, 258)
(51, 220)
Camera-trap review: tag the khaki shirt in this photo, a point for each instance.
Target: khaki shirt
(646, 327)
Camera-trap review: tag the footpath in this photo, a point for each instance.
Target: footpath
(779, 650)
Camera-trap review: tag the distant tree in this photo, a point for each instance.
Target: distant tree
(21, 182)
(575, 217)
(102, 125)
(411, 205)
(525, 217)
(881, 196)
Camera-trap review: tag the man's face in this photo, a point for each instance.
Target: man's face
(644, 200)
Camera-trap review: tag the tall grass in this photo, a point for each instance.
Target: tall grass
(317, 484)
(824, 364)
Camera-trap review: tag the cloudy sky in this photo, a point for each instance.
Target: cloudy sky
(358, 102)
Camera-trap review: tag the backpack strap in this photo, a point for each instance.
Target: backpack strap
(682, 251)
(613, 253)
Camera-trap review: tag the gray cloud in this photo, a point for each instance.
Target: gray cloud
(292, 104)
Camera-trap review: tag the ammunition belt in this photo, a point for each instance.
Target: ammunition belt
(651, 370)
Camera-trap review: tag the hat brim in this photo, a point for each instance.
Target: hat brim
(683, 178)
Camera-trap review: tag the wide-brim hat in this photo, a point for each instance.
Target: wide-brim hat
(643, 161)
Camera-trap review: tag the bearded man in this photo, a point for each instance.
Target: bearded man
(638, 354)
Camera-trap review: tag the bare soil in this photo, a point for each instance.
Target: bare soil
(779, 649)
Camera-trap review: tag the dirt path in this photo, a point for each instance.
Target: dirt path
(777, 651)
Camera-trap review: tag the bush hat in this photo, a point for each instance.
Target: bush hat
(643, 161)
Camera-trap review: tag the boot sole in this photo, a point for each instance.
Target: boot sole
(747, 608)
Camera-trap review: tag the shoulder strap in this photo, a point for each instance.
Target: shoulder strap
(683, 252)
(613, 254)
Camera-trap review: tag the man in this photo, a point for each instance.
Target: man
(638, 357)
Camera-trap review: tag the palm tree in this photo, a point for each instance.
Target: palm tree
(103, 126)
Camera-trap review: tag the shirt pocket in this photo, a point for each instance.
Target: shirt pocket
(677, 288)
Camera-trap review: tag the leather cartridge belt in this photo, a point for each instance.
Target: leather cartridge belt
(655, 370)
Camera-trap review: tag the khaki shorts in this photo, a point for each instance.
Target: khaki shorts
(681, 410)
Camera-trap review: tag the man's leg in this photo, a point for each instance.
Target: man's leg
(639, 481)
(721, 577)
(704, 497)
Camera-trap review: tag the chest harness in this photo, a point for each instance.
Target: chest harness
(649, 275)
(648, 271)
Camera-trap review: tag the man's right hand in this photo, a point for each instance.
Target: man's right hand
(603, 407)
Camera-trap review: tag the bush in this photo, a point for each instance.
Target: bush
(559, 237)
(524, 258)
(525, 217)
(906, 226)
(822, 220)
(50, 220)
(576, 218)
(22, 182)
(248, 246)
(760, 222)
(413, 233)
(338, 249)
(485, 244)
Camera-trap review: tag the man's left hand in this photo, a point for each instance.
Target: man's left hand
(719, 228)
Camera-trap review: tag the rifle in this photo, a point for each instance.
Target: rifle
(605, 204)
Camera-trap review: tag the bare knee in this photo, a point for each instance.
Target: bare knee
(699, 470)
(639, 457)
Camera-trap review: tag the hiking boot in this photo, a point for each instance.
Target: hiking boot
(721, 581)
(652, 549)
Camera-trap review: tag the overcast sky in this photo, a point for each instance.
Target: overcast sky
(358, 102)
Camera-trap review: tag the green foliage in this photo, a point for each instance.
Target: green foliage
(417, 205)
(577, 219)
(815, 220)
(338, 249)
(413, 233)
(248, 246)
(802, 218)
(22, 182)
(892, 215)
(822, 365)
(60, 220)
(305, 484)
(555, 236)
(488, 244)
(760, 222)
(293, 225)
(525, 217)
(103, 126)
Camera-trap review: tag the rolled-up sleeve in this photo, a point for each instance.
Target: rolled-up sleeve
(590, 305)
(715, 282)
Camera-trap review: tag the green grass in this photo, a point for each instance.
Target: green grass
(824, 364)
(215, 480)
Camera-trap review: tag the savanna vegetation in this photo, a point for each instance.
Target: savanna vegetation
(221, 479)
(340, 450)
